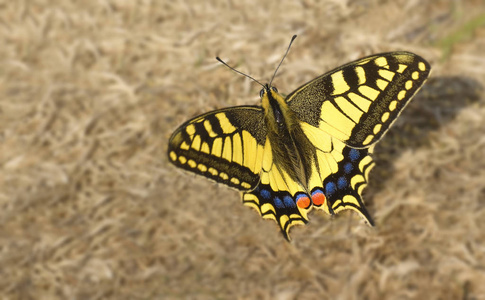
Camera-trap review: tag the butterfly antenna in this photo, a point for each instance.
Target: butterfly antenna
(287, 50)
(221, 61)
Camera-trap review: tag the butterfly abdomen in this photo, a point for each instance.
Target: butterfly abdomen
(291, 149)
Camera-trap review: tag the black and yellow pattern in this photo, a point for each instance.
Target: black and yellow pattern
(310, 150)
(225, 145)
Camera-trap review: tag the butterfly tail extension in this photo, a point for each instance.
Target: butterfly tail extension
(343, 189)
(279, 206)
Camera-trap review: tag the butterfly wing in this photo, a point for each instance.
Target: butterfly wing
(338, 178)
(359, 101)
(230, 146)
(346, 111)
(342, 178)
(339, 173)
(278, 197)
(224, 145)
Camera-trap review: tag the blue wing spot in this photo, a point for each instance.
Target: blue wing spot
(278, 203)
(342, 182)
(265, 194)
(300, 196)
(330, 188)
(289, 202)
(348, 167)
(354, 154)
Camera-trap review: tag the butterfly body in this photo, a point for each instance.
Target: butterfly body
(311, 149)
(289, 145)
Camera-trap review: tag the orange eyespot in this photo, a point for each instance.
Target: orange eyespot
(303, 201)
(318, 198)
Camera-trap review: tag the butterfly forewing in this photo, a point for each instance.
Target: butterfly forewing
(358, 102)
(224, 145)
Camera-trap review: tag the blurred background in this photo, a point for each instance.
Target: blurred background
(90, 92)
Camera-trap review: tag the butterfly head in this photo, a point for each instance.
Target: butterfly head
(270, 97)
(267, 89)
(274, 106)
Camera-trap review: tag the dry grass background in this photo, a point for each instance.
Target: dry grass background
(90, 92)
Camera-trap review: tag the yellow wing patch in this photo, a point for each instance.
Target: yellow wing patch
(214, 145)
(279, 198)
(382, 83)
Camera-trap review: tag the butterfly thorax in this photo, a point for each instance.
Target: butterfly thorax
(288, 142)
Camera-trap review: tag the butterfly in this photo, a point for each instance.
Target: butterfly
(310, 149)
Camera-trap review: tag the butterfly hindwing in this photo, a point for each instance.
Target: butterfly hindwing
(280, 200)
(338, 179)
(358, 102)
(343, 189)
(224, 145)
